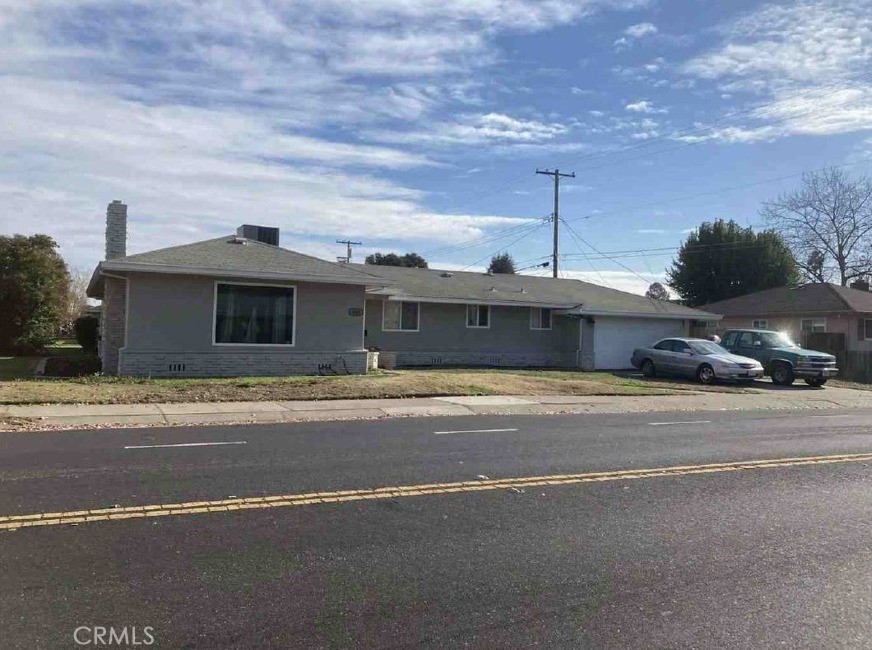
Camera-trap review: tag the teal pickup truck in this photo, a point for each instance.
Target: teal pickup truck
(782, 359)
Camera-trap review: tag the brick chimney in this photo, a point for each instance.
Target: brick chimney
(116, 230)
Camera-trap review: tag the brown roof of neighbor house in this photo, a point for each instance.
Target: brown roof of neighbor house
(439, 285)
(818, 298)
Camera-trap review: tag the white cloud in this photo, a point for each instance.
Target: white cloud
(641, 30)
(202, 115)
(644, 106)
(634, 33)
(795, 56)
(486, 128)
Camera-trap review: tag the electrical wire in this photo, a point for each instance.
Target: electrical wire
(593, 248)
(578, 242)
(524, 234)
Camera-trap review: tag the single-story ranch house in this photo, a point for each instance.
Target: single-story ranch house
(241, 305)
(818, 307)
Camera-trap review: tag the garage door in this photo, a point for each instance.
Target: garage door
(614, 339)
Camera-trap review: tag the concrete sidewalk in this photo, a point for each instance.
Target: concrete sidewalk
(63, 415)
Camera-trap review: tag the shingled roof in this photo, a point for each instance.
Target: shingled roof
(523, 290)
(238, 257)
(818, 298)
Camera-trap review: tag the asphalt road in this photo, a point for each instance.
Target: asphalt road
(736, 557)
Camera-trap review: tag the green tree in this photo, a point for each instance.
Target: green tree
(411, 260)
(502, 263)
(723, 260)
(33, 290)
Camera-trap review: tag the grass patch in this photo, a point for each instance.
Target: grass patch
(385, 384)
(17, 367)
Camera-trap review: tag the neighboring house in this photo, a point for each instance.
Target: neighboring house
(429, 317)
(241, 305)
(820, 307)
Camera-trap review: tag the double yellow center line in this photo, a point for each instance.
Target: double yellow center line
(15, 522)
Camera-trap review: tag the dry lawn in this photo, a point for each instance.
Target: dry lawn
(394, 384)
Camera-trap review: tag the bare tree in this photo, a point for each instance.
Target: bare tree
(76, 299)
(827, 223)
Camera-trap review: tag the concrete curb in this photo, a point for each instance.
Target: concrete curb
(60, 416)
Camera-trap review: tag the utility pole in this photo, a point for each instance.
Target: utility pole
(557, 176)
(348, 244)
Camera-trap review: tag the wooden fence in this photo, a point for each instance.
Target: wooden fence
(853, 366)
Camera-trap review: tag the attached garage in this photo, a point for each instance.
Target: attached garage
(615, 338)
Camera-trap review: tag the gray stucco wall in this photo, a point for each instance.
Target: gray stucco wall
(170, 330)
(444, 339)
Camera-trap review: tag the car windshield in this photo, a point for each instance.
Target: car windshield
(777, 340)
(707, 347)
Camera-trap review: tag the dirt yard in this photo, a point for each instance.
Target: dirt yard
(392, 384)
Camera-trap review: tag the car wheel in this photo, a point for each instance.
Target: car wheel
(782, 374)
(648, 368)
(705, 374)
(816, 382)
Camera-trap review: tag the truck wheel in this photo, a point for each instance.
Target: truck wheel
(816, 382)
(648, 368)
(782, 374)
(705, 374)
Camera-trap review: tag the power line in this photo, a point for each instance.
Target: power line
(592, 247)
(721, 190)
(695, 143)
(484, 239)
(783, 103)
(590, 263)
(524, 234)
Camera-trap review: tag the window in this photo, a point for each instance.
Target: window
(400, 317)
(760, 324)
(665, 345)
(540, 318)
(747, 339)
(478, 316)
(813, 324)
(254, 314)
(867, 328)
(729, 340)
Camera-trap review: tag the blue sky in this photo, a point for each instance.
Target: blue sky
(418, 126)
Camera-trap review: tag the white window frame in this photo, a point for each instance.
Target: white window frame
(756, 324)
(814, 321)
(478, 309)
(400, 303)
(866, 322)
(252, 345)
(533, 311)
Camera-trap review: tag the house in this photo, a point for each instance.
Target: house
(238, 305)
(430, 317)
(819, 307)
(242, 305)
